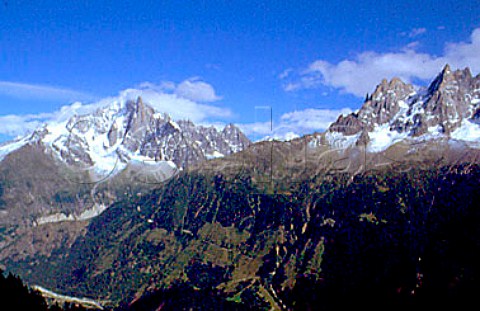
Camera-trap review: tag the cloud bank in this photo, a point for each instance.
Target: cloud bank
(187, 100)
(359, 75)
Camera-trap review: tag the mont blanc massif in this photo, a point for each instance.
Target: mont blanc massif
(128, 209)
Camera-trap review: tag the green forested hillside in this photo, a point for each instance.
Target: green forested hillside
(382, 239)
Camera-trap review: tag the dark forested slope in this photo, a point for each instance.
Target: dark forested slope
(381, 239)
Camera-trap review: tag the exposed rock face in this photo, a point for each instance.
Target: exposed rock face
(450, 102)
(379, 108)
(347, 125)
(396, 109)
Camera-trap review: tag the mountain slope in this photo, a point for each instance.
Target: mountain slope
(70, 172)
(320, 221)
(382, 235)
(82, 155)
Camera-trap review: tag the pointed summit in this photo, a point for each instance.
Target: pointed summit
(139, 115)
(237, 140)
(467, 72)
(395, 84)
(448, 77)
(440, 79)
(446, 69)
(230, 127)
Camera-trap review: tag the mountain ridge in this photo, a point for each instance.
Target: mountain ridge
(111, 136)
(449, 107)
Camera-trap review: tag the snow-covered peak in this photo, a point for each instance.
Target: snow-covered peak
(128, 129)
(448, 108)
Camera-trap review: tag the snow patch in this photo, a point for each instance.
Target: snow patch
(338, 140)
(86, 302)
(96, 210)
(467, 131)
(382, 137)
(10, 147)
(434, 131)
(402, 104)
(54, 131)
(291, 135)
(174, 125)
(316, 141)
(280, 137)
(214, 155)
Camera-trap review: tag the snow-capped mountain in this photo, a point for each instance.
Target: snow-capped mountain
(448, 109)
(128, 130)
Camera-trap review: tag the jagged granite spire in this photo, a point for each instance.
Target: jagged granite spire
(383, 104)
(396, 110)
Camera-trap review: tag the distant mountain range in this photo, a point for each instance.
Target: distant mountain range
(127, 206)
(126, 130)
(396, 122)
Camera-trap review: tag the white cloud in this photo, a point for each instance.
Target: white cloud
(416, 32)
(367, 69)
(256, 129)
(157, 96)
(290, 87)
(412, 45)
(193, 89)
(20, 125)
(294, 124)
(164, 86)
(465, 54)
(14, 125)
(196, 90)
(178, 107)
(284, 74)
(213, 66)
(41, 92)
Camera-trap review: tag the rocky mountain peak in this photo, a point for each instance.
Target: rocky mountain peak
(450, 101)
(233, 134)
(138, 114)
(396, 111)
(448, 78)
(131, 130)
(378, 108)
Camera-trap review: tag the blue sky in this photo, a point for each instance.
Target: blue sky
(308, 60)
